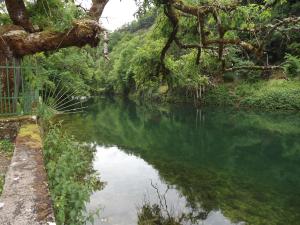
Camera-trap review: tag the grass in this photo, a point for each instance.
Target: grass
(269, 95)
(1, 183)
(6, 148)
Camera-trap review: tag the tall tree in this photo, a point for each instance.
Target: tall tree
(218, 26)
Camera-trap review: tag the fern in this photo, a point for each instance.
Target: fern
(292, 65)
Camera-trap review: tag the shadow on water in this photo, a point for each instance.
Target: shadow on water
(245, 165)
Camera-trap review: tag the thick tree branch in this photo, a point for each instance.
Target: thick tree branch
(276, 26)
(20, 40)
(18, 14)
(202, 12)
(199, 10)
(245, 45)
(21, 43)
(265, 68)
(169, 12)
(97, 9)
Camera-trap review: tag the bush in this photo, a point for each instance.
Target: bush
(71, 176)
(273, 94)
(292, 65)
(220, 96)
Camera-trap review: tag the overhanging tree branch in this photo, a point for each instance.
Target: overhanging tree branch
(21, 39)
(205, 13)
(97, 9)
(22, 43)
(264, 68)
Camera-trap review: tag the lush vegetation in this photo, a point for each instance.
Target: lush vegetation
(136, 67)
(168, 54)
(271, 95)
(71, 176)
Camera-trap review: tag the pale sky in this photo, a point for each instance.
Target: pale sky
(117, 12)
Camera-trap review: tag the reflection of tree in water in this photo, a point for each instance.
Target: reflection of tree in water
(245, 164)
(161, 213)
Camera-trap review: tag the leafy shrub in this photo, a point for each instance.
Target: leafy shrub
(186, 73)
(71, 176)
(53, 14)
(292, 65)
(220, 96)
(273, 94)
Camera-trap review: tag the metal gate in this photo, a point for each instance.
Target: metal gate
(17, 97)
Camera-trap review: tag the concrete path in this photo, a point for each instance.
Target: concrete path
(25, 199)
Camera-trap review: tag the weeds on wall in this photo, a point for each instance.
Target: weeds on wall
(6, 148)
(1, 183)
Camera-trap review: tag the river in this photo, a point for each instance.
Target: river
(208, 166)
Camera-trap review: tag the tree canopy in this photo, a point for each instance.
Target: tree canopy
(179, 47)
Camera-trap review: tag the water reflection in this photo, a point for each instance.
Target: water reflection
(234, 166)
(131, 185)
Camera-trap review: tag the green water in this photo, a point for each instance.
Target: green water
(223, 166)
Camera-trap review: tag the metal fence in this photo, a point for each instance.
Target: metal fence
(17, 97)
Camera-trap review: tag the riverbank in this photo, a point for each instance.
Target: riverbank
(265, 95)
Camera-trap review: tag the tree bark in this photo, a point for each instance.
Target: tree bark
(20, 43)
(18, 14)
(97, 9)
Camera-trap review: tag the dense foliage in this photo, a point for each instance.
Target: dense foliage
(270, 95)
(52, 15)
(135, 65)
(71, 176)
